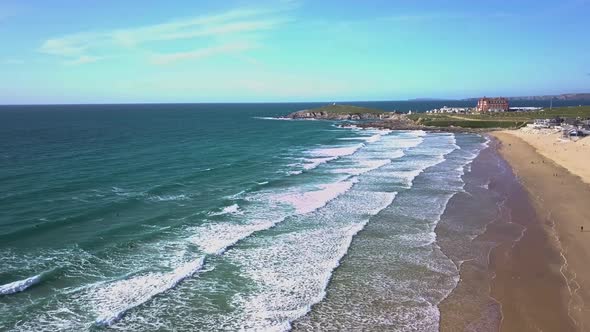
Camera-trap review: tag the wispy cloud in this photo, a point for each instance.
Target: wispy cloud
(200, 53)
(86, 47)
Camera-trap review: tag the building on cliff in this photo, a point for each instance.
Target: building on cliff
(492, 105)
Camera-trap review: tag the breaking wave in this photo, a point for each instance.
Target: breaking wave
(20, 285)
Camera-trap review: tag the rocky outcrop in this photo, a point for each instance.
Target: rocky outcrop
(373, 119)
(323, 115)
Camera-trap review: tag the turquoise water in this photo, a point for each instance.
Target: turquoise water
(211, 217)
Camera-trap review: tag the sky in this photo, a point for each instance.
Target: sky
(112, 51)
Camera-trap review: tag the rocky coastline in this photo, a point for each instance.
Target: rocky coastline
(368, 118)
(337, 116)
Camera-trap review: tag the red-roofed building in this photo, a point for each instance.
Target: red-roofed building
(492, 105)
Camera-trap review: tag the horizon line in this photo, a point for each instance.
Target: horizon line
(229, 102)
(282, 102)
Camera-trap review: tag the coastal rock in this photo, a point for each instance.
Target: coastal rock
(324, 115)
(341, 113)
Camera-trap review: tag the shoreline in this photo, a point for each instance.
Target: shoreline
(468, 306)
(560, 198)
(512, 275)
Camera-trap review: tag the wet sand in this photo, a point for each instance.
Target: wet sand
(512, 275)
(562, 201)
(470, 306)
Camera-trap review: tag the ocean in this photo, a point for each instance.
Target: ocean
(221, 217)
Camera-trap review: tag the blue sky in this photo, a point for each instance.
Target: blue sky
(98, 51)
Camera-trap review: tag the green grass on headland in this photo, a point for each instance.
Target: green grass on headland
(564, 112)
(473, 123)
(498, 120)
(346, 109)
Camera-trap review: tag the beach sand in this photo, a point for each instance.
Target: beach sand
(572, 155)
(553, 243)
(510, 278)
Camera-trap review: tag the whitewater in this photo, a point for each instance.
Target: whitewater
(255, 242)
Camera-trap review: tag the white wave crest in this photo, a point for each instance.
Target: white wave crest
(215, 239)
(166, 198)
(365, 166)
(369, 139)
(113, 300)
(312, 163)
(272, 118)
(305, 260)
(232, 209)
(336, 152)
(19, 285)
(308, 201)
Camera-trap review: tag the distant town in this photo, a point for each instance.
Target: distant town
(490, 113)
(484, 105)
(568, 126)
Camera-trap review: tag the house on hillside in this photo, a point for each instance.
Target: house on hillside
(547, 123)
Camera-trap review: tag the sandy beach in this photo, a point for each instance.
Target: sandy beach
(572, 155)
(510, 275)
(553, 175)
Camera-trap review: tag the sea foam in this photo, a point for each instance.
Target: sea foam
(308, 201)
(305, 260)
(19, 285)
(232, 209)
(113, 300)
(311, 163)
(215, 239)
(336, 152)
(365, 166)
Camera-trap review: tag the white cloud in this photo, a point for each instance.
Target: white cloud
(243, 24)
(235, 21)
(162, 59)
(67, 46)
